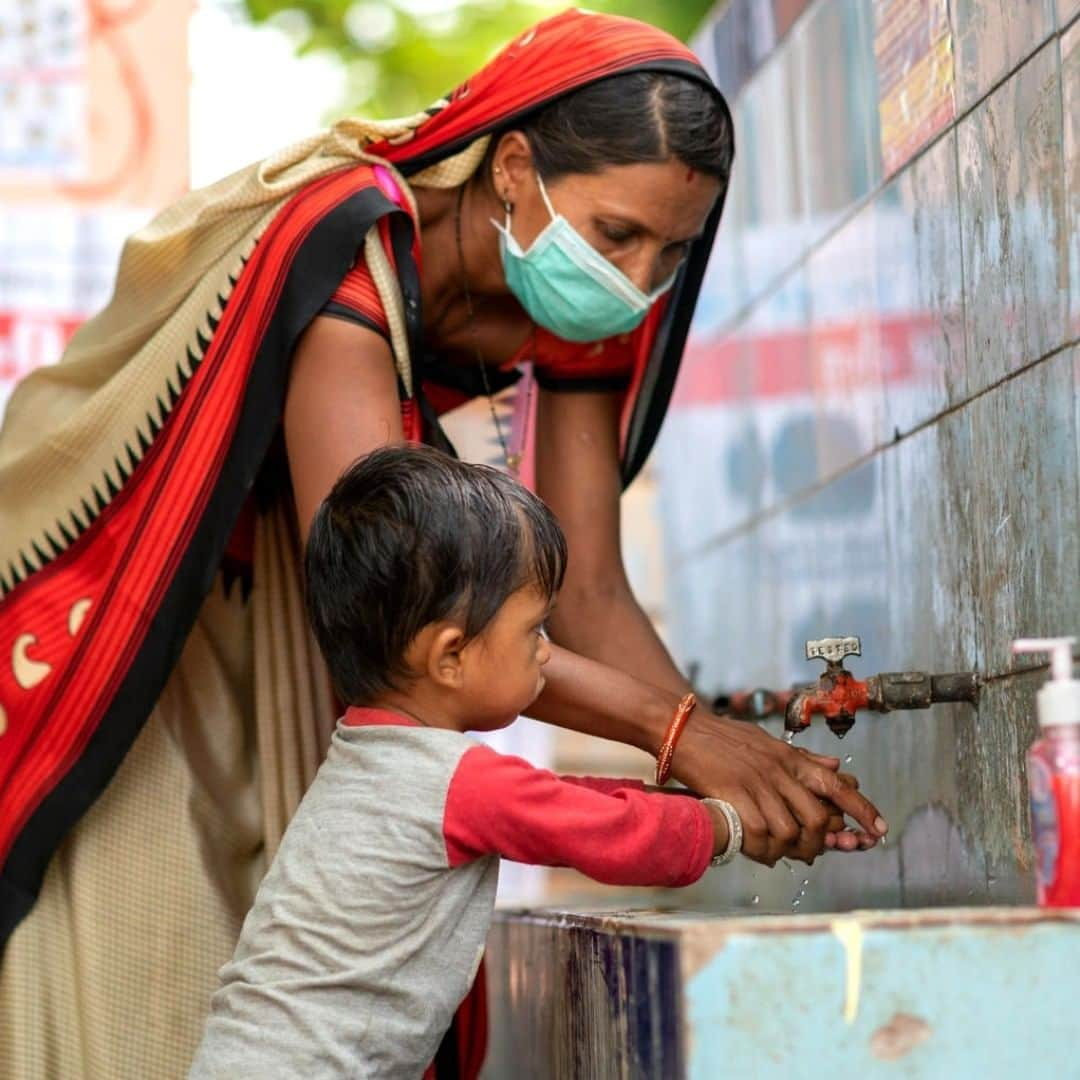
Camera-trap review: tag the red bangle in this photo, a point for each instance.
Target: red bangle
(671, 737)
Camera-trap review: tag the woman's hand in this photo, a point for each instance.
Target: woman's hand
(791, 802)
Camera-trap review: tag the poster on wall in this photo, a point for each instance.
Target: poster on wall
(57, 266)
(914, 54)
(92, 96)
(43, 84)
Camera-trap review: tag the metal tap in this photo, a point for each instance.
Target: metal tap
(838, 695)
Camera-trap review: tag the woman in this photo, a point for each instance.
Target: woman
(157, 483)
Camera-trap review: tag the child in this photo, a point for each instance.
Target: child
(428, 583)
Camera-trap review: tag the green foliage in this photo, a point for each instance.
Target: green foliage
(401, 55)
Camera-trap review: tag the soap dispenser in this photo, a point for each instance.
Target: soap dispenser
(1054, 776)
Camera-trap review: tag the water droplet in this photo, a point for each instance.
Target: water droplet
(790, 868)
(849, 759)
(756, 900)
(805, 882)
(789, 737)
(795, 903)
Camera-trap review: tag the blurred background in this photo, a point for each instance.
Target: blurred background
(875, 428)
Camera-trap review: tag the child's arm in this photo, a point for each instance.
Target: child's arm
(606, 785)
(502, 805)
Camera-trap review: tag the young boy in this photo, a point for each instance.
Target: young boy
(428, 583)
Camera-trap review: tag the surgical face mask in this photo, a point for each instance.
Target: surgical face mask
(567, 286)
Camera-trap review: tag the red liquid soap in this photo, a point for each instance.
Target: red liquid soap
(1054, 778)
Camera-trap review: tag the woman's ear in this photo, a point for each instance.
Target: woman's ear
(512, 167)
(445, 666)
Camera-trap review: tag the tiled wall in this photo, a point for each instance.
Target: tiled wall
(875, 430)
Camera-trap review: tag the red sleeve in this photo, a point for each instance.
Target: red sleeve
(357, 300)
(606, 785)
(500, 805)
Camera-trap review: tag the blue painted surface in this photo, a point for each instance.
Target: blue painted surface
(998, 1001)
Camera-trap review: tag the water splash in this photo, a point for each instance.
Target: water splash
(800, 895)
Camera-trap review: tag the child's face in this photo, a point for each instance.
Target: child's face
(504, 665)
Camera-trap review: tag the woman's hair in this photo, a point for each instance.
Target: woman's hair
(631, 119)
(409, 536)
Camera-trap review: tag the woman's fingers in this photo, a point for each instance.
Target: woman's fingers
(847, 798)
(784, 830)
(812, 815)
(827, 760)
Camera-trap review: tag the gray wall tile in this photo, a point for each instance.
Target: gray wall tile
(770, 166)
(988, 758)
(846, 354)
(1013, 223)
(836, 108)
(1070, 95)
(920, 290)
(1024, 480)
(992, 37)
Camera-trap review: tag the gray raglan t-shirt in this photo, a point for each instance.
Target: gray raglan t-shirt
(360, 886)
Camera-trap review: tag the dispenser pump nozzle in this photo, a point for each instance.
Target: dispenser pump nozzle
(1059, 698)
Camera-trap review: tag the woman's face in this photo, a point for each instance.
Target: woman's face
(643, 218)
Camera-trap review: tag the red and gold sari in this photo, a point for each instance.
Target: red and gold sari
(159, 721)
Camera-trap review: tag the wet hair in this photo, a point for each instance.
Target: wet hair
(635, 118)
(409, 536)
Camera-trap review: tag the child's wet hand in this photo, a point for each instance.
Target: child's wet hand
(839, 836)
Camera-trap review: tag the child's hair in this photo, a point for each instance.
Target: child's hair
(409, 536)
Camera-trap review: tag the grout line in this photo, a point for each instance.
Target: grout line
(750, 524)
(1019, 673)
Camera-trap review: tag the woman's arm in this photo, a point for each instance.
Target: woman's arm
(577, 474)
(777, 790)
(342, 402)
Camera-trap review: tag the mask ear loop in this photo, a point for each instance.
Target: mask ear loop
(543, 192)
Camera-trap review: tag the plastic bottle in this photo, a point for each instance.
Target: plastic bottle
(1054, 777)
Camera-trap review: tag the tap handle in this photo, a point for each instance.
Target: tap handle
(833, 650)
